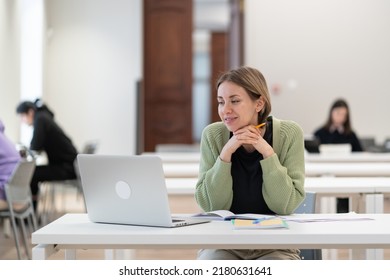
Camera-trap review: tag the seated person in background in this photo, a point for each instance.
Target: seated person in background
(338, 130)
(9, 159)
(48, 137)
(246, 169)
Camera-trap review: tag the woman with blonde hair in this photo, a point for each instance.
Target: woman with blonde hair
(251, 162)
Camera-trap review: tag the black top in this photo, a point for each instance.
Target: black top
(248, 179)
(327, 137)
(49, 137)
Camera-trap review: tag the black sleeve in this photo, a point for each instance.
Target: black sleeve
(39, 133)
(318, 134)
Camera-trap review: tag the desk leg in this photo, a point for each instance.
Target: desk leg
(43, 251)
(6, 228)
(374, 254)
(70, 254)
(328, 204)
(374, 204)
(329, 254)
(121, 254)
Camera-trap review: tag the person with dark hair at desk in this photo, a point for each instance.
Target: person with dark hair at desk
(50, 138)
(250, 162)
(9, 159)
(338, 130)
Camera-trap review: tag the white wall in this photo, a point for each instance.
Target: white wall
(315, 50)
(319, 50)
(32, 31)
(93, 60)
(9, 66)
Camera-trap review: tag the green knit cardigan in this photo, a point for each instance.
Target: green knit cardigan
(283, 172)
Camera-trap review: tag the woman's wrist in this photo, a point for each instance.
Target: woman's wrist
(268, 152)
(225, 156)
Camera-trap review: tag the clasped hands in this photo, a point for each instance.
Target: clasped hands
(251, 138)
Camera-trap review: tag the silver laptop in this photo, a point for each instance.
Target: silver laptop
(127, 190)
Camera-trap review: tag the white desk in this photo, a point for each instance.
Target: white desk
(75, 231)
(352, 157)
(373, 188)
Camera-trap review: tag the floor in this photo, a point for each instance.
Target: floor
(68, 201)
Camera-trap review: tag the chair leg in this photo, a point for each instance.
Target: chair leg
(34, 221)
(30, 226)
(6, 227)
(25, 242)
(16, 237)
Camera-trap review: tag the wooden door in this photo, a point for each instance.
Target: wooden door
(219, 64)
(167, 72)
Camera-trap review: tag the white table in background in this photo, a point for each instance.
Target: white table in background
(355, 157)
(75, 231)
(352, 157)
(181, 170)
(373, 188)
(346, 169)
(176, 157)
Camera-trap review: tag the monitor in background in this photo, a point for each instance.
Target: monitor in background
(335, 149)
(312, 145)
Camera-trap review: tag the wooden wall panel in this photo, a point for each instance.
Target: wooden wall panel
(167, 72)
(219, 64)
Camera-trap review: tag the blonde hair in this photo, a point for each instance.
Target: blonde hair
(254, 84)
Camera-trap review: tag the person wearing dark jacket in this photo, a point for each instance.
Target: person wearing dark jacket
(49, 137)
(338, 130)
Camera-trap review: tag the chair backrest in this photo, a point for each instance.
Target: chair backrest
(90, 147)
(386, 145)
(18, 187)
(307, 207)
(367, 143)
(312, 145)
(20, 205)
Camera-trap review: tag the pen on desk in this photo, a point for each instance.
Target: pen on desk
(260, 125)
